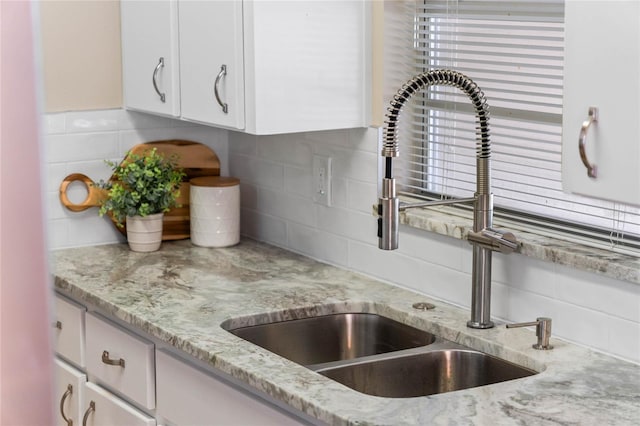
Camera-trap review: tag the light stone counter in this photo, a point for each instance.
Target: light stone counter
(183, 293)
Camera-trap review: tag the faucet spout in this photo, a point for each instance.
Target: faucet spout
(483, 237)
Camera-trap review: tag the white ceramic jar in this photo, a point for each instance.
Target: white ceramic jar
(214, 204)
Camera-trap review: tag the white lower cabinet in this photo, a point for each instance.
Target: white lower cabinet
(208, 400)
(68, 338)
(102, 408)
(121, 360)
(69, 393)
(122, 379)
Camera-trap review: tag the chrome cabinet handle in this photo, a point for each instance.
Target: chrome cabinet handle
(109, 361)
(592, 171)
(154, 79)
(92, 408)
(222, 73)
(66, 394)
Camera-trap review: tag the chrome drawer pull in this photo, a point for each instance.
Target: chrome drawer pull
(592, 171)
(222, 73)
(154, 79)
(66, 394)
(109, 361)
(92, 407)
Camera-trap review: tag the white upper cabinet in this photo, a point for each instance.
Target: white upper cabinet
(602, 71)
(268, 67)
(211, 62)
(150, 56)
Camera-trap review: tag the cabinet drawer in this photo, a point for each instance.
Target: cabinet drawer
(69, 320)
(209, 400)
(102, 408)
(121, 360)
(69, 393)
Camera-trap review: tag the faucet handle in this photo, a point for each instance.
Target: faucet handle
(543, 331)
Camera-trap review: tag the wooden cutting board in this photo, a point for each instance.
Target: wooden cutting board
(195, 158)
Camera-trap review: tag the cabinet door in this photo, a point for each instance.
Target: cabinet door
(69, 330)
(69, 394)
(209, 400)
(121, 361)
(602, 69)
(102, 408)
(150, 56)
(211, 62)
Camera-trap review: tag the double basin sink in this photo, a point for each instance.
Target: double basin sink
(378, 356)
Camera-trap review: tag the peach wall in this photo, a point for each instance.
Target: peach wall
(25, 347)
(81, 55)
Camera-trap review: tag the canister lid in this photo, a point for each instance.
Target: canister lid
(214, 181)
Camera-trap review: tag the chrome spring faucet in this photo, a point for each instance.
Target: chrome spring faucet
(484, 238)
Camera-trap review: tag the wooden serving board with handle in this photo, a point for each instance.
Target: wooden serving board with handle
(195, 158)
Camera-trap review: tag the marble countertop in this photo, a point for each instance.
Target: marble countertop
(182, 293)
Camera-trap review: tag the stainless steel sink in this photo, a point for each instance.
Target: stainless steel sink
(334, 337)
(426, 373)
(378, 356)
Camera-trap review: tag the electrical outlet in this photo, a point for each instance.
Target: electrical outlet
(322, 180)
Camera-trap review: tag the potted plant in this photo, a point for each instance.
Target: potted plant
(142, 188)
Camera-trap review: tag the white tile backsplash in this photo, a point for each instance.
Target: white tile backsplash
(439, 266)
(79, 142)
(277, 207)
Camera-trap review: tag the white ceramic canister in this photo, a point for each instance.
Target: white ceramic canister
(214, 204)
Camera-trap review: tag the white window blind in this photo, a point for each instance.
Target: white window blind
(514, 51)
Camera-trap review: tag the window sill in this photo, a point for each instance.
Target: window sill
(445, 221)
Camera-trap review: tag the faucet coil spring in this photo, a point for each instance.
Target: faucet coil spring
(432, 78)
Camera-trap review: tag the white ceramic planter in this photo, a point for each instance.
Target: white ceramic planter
(144, 234)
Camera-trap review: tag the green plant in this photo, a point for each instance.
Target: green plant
(142, 185)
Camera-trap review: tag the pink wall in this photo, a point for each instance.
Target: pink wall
(25, 347)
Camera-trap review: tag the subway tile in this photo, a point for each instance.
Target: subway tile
(385, 265)
(365, 139)
(268, 174)
(298, 181)
(286, 206)
(89, 229)
(339, 192)
(523, 273)
(619, 298)
(361, 196)
(624, 339)
(128, 120)
(525, 306)
(248, 196)
(92, 121)
(582, 325)
(263, 227)
(353, 225)
(55, 209)
(317, 244)
(57, 233)
(53, 124)
(95, 170)
(285, 149)
(362, 166)
(339, 138)
(53, 175)
(242, 143)
(431, 248)
(443, 283)
(81, 146)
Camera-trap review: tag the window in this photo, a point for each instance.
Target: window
(514, 51)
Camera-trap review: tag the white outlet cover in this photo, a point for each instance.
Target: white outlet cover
(321, 180)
